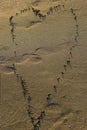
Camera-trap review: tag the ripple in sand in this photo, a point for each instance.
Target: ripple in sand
(62, 117)
(44, 50)
(8, 69)
(31, 23)
(35, 3)
(36, 59)
(52, 104)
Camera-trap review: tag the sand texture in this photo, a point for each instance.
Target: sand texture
(43, 65)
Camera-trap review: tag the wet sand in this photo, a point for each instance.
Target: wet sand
(43, 65)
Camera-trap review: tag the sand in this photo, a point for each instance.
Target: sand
(48, 50)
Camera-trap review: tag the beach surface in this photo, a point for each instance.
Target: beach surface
(43, 65)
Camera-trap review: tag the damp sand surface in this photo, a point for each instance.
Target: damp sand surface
(46, 61)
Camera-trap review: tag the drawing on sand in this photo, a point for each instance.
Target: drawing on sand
(43, 65)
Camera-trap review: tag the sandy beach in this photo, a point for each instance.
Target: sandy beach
(43, 65)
